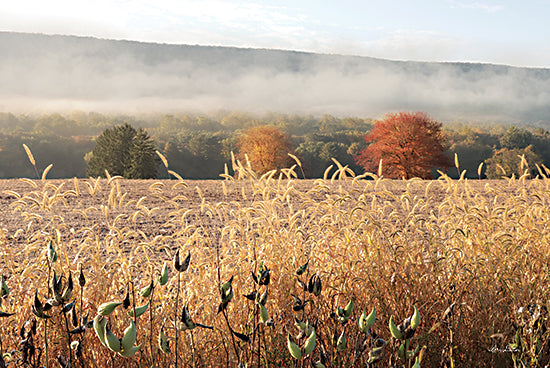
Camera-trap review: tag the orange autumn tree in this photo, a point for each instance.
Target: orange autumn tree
(267, 148)
(409, 145)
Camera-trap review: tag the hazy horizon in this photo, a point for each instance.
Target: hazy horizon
(41, 73)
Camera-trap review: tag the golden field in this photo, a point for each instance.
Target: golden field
(471, 256)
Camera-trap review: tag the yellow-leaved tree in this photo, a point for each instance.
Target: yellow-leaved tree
(267, 148)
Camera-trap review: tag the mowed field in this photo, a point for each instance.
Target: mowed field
(471, 256)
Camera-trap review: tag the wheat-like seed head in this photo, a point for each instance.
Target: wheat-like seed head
(29, 155)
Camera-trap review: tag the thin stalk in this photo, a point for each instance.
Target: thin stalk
(68, 337)
(407, 362)
(265, 349)
(193, 349)
(46, 347)
(81, 317)
(451, 348)
(176, 321)
(46, 342)
(259, 338)
(135, 315)
(232, 336)
(256, 291)
(151, 329)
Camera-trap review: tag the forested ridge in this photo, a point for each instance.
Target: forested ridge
(48, 73)
(198, 146)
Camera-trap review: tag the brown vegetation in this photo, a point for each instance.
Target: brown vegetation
(467, 254)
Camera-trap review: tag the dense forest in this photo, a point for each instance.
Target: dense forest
(198, 146)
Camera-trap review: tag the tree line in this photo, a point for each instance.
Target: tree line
(199, 146)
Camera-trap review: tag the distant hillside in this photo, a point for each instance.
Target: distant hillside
(40, 72)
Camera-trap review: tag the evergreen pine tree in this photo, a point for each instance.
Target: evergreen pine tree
(143, 158)
(123, 151)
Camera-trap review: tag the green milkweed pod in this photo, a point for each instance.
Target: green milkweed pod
(401, 351)
(361, 322)
(130, 352)
(302, 268)
(301, 325)
(139, 311)
(147, 290)
(365, 322)
(309, 345)
(129, 336)
(264, 315)
(111, 340)
(394, 330)
(163, 342)
(309, 329)
(68, 289)
(5, 290)
(348, 309)
(293, 348)
(226, 291)
(163, 279)
(107, 308)
(371, 318)
(263, 297)
(415, 320)
(56, 287)
(342, 341)
(52, 254)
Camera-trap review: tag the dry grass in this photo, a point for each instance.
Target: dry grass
(482, 246)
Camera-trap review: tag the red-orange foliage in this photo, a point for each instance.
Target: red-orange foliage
(267, 148)
(409, 145)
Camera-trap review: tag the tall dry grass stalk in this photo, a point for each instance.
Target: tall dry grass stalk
(473, 257)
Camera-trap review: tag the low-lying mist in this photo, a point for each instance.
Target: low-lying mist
(43, 73)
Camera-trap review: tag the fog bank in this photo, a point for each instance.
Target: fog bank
(57, 73)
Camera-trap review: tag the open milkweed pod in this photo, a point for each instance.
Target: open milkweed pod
(293, 348)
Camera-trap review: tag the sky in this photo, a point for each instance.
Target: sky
(488, 31)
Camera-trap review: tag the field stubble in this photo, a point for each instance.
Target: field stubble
(472, 256)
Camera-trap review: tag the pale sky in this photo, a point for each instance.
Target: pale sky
(489, 31)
